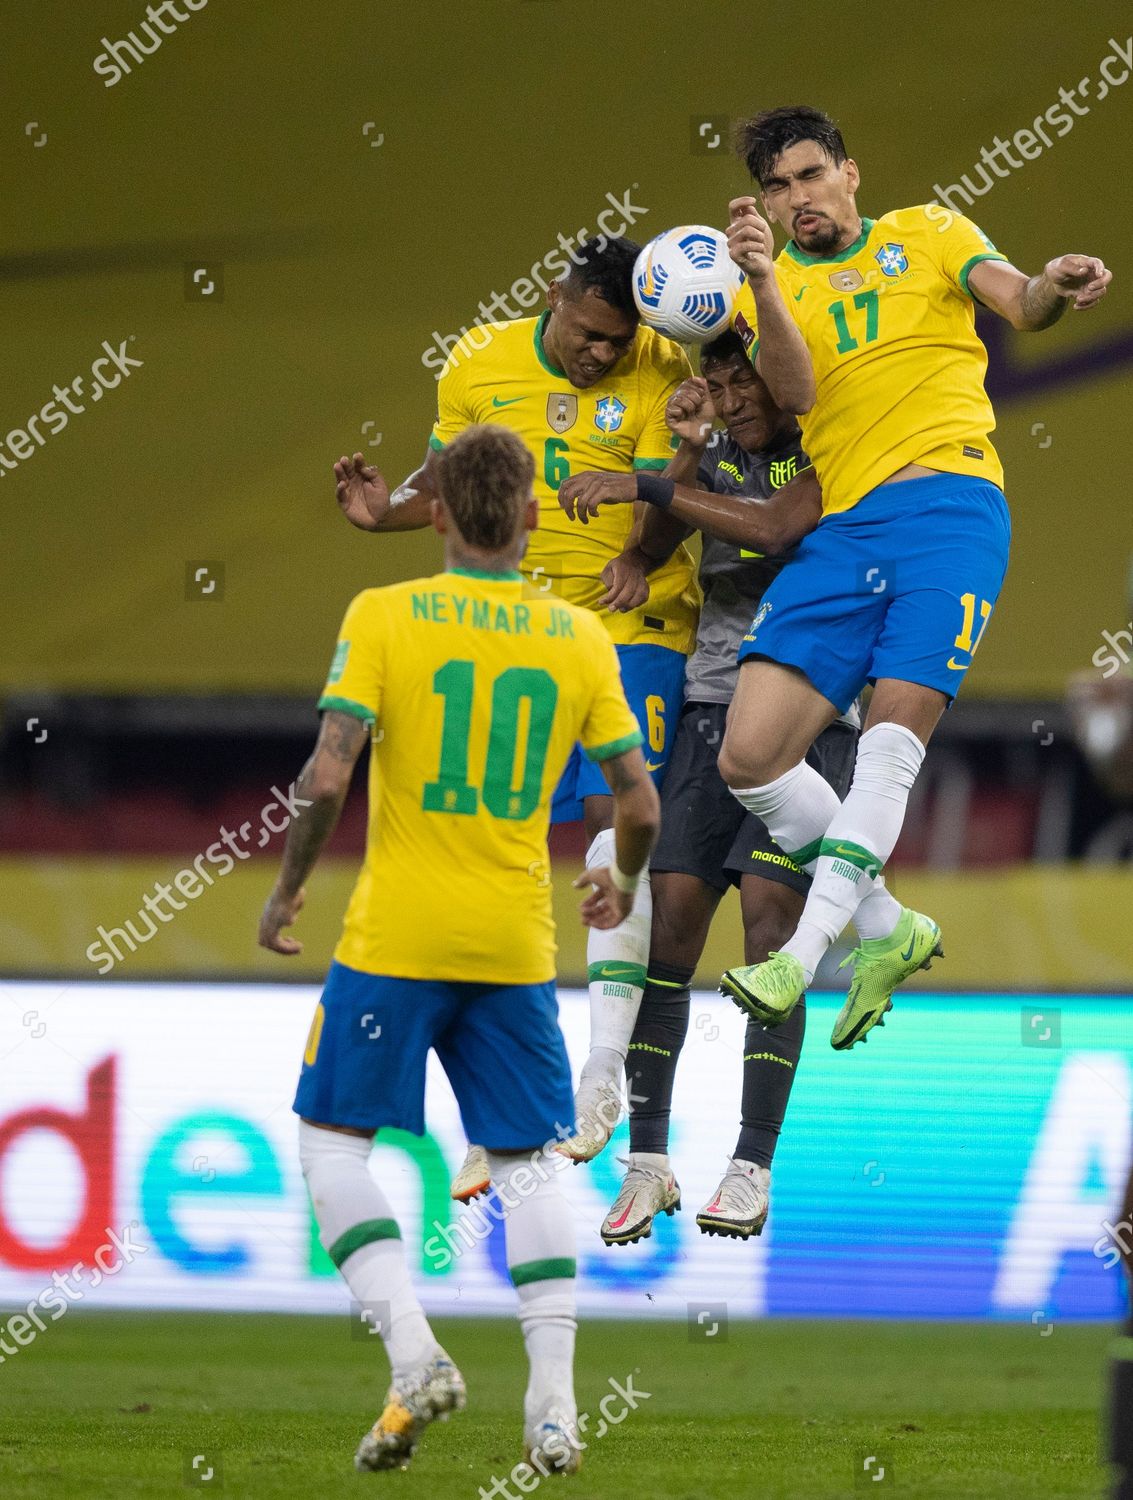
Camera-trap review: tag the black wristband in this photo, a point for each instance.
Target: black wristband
(654, 489)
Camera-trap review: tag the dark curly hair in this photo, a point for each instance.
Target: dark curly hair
(606, 265)
(761, 140)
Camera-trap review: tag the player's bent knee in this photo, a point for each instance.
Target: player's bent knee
(746, 761)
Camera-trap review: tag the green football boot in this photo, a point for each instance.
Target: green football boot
(768, 992)
(880, 965)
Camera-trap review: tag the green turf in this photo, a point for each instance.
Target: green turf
(106, 1404)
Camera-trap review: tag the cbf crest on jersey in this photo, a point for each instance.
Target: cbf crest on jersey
(562, 412)
(608, 414)
(892, 259)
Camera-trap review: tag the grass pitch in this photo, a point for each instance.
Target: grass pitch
(119, 1404)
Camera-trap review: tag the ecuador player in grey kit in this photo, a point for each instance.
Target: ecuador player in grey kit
(708, 841)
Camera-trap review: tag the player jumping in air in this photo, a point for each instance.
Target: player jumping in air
(866, 329)
(708, 841)
(584, 386)
(482, 690)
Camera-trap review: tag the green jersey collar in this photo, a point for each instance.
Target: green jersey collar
(511, 576)
(821, 260)
(541, 352)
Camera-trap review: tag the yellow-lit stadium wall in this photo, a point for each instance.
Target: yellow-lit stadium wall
(341, 259)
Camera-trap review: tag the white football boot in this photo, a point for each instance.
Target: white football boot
(550, 1443)
(739, 1205)
(473, 1178)
(646, 1191)
(435, 1391)
(597, 1109)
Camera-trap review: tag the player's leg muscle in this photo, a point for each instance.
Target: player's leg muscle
(770, 912)
(775, 717)
(683, 908)
(916, 708)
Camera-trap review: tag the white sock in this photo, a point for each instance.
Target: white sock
(658, 1160)
(361, 1236)
(798, 809)
(616, 962)
(860, 839)
(541, 1255)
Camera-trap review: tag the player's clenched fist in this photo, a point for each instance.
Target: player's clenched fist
(750, 242)
(1083, 277)
(361, 492)
(689, 413)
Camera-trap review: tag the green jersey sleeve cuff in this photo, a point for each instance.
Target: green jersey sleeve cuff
(974, 260)
(614, 747)
(649, 463)
(346, 706)
(435, 443)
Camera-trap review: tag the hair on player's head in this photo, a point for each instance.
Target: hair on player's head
(485, 481)
(606, 265)
(724, 349)
(762, 139)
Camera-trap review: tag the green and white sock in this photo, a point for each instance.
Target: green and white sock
(859, 840)
(616, 963)
(542, 1259)
(360, 1234)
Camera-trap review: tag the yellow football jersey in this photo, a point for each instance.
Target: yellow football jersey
(501, 373)
(891, 328)
(479, 692)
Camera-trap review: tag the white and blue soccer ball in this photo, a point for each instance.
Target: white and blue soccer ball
(685, 284)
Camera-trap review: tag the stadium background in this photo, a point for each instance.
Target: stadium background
(144, 710)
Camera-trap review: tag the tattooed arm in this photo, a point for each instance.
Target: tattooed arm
(324, 783)
(1031, 303)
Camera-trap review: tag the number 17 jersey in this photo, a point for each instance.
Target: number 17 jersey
(479, 692)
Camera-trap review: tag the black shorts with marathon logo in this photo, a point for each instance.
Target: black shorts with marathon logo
(704, 830)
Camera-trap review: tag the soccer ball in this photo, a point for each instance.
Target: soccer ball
(685, 284)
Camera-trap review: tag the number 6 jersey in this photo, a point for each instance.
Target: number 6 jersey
(500, 372)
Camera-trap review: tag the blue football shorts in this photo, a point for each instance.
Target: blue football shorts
(654, 681)
(500, 1046)
(901, 585)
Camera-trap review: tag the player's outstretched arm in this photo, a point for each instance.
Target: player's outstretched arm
(637, 819)
(1031, 303)
(783, 359)
(366, 501)
(771, 526)
(319, 792)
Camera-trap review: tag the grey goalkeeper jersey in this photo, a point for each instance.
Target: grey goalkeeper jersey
(733, 581)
